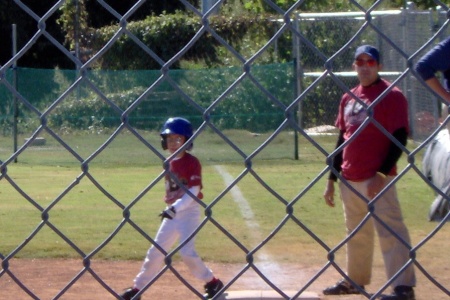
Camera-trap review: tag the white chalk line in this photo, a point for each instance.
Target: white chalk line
(266, 263)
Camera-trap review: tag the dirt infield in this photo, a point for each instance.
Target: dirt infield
(45, 278)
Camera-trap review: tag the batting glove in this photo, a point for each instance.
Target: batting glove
(168, 213)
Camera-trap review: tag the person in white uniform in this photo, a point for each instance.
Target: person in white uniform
(182, 214)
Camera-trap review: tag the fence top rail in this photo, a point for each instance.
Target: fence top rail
(361, 14)
(349, 74)
(347, 14)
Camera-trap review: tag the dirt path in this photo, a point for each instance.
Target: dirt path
(46, 278)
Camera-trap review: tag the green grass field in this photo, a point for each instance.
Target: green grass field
(52, 178)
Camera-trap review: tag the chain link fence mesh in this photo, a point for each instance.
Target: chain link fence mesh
(270, 99)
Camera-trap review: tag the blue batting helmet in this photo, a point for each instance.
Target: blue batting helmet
(179, 126)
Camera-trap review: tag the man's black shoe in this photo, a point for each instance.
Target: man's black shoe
(401, 292)
(342, 288)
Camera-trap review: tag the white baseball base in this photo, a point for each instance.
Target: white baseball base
(265, 295)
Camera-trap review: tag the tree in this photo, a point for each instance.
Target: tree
(42, 54)
(45, 55)
(73, 21)
(99, 16)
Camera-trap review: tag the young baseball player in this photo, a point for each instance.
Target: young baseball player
(182, 214)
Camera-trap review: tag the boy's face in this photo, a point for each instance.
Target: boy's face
(174, 142)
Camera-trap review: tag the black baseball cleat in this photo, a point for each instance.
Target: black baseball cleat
(342, 287)
(212, 288)
(401, 292)
(129, 294)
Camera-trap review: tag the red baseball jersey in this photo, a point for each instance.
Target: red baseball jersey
(188, 171)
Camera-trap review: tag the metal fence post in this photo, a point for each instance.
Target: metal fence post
(298, 79)
(16, 106)
(406, 31)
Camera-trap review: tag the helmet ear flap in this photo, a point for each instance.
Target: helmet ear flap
(164, 142)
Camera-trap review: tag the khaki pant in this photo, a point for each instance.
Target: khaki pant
(360, 247)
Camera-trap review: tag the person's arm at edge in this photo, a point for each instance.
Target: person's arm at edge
(436, 86)
(432, 62)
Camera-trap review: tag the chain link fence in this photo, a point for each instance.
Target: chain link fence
(292, 96)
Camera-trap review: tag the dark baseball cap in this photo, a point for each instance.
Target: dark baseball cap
(369, 50)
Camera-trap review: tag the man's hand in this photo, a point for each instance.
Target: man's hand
(328, 195)
(168, 213)
(376, 184)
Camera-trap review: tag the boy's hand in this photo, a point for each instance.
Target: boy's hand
(168, 213)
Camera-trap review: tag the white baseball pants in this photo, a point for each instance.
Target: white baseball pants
(179, 228)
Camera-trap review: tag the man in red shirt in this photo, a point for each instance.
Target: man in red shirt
(371, 126)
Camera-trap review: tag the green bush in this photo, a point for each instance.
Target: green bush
(168, 35)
